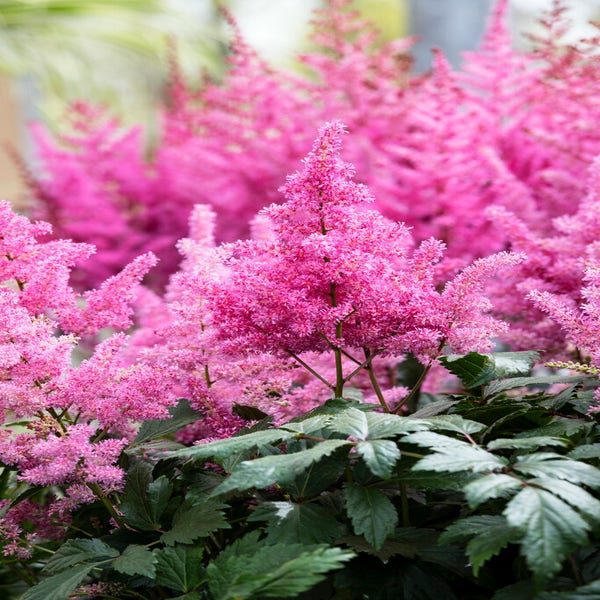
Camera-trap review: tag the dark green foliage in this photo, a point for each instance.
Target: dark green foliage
(492, 493)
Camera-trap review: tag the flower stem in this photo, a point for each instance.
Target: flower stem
(373, 380)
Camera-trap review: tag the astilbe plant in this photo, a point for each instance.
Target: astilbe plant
(64, 425)
(330, 295)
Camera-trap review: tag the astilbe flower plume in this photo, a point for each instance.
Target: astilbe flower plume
(330, 295)
(579, 321)
(77, 419)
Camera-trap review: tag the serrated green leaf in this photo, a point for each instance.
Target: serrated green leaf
(181, 415)
(273, 572)
(547, 464)
(76, 551)
(470, 526)
(523, 590)
(135, 506)
(495, 485)
(575, 495)
(430, 480)
(585, 451)
(509, 364)
(136, 560)
(371, 512)
(262, 472)
(291, 523)
(221, 449)
(560, 427)
(316, 478)
(144, 500)
(302, 573)
(159, 494)
(179, 568)
(434, 408)
(485, 545)
(551, 529)
(526, 443)
(380, 456)
(60, 586)
(309, 425)
(472, 369)
(191, 522)
(557, 401)
(373, 426)
(454, 423)
(453, 455)
(513, 383)
(406, 541)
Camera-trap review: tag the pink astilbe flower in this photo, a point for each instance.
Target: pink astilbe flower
(98, 188)
(581, 324)
(73, 421)
(340, 277)
(556, 264)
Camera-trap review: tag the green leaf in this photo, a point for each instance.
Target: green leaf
(136, 560)
(302, 573)
(60, 586)
(575, 495)
(282, 468)
(514, 383)
(526, 443)
(371, 512)
(560, 427)
(317, 478)
(489, 543)
(308, 425)
(191, 522)
(472, 369)
(552, 465)
(248, 413)
(551, 529)
(466, 528)
(372, 426)
(585, 451)
(281, 570)
(495, 485)
(179, 568)
(509, 364)
(488, 535)
(523, 590)
(77, 551)
(159, 494)
(222, 449)
(291, 523)
(454, 423)
(434, 408)
(143, 502)
(453, 455)
(181, 415)
(380, 456)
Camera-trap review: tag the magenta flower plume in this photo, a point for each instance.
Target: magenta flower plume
(78, 418)
(339, 277)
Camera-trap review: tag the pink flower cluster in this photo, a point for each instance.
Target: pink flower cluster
(330, 295)
(63, 424)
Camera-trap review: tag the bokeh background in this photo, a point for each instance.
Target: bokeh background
(115, 52)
